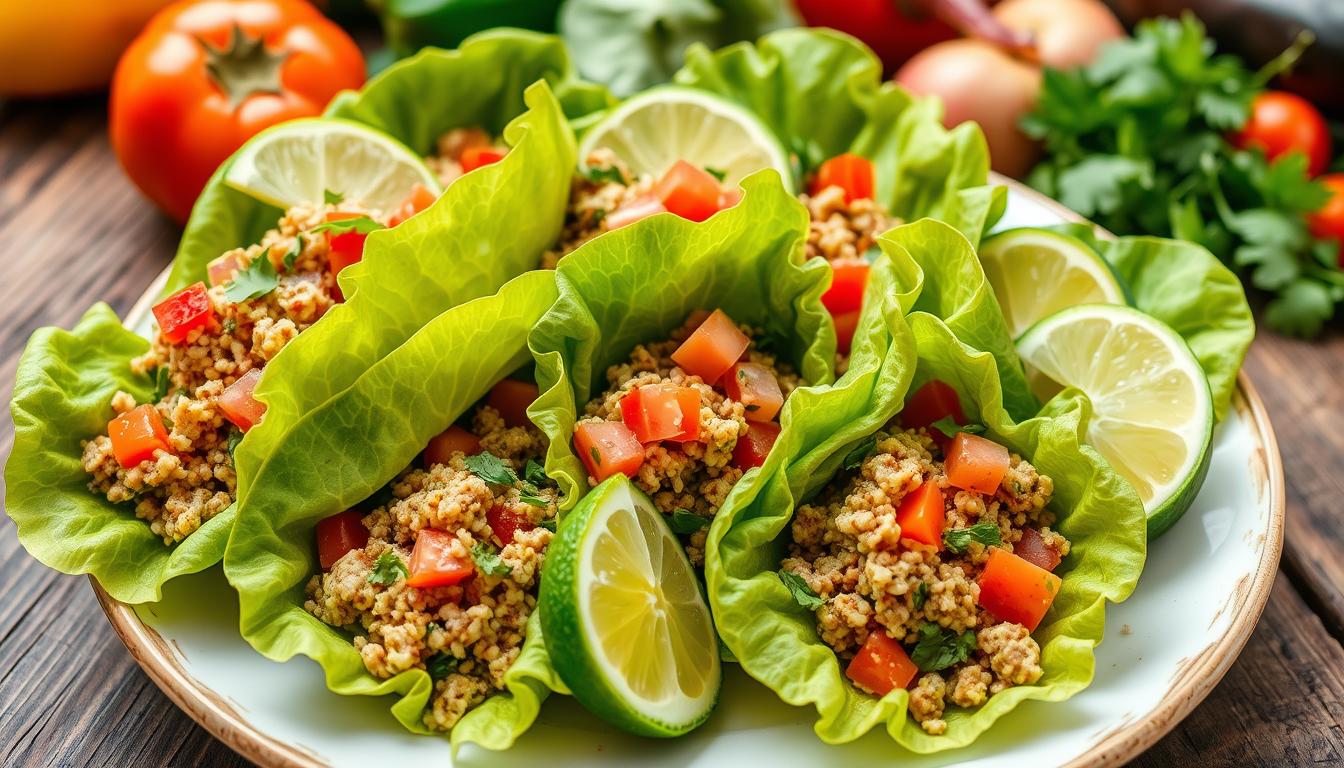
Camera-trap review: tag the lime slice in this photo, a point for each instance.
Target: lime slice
(1036, 272)
(655, 129)
(302, 160)
(1152, 412)
(625, 623)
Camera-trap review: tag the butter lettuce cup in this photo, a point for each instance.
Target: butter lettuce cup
(936, 565)
(129, 453)
(402, 551)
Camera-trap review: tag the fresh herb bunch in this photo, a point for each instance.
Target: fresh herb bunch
(1138, 142)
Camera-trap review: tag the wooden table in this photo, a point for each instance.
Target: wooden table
(74, 231)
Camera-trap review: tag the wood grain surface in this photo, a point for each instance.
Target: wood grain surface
(74, 231)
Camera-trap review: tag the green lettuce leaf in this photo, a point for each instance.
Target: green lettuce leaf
(776, 641)
(938, 273)
(638, 283)
(822, 93)
(480, 84)
(62, 396)
(335, 455)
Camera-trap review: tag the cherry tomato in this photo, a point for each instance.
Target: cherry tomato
(1328, 222)
(206, 75)
(1283, 122)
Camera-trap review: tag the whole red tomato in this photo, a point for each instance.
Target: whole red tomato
(206, 75)
(1282, 122)
(1328, 222)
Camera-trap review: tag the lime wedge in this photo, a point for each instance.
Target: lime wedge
(655, 129)
(1152, 413)
(625, 622)
(1036, 273)
(301, 161)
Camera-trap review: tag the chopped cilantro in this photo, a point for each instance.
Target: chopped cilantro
(360, 224)
(535, 474)
(488, 561)
(441, 665)
(599, 214)
(716, 173)
(548, 524)
(230, 325)
(258, 279)
(685, 521)
(949, 426)
(162, 384)
(531, 495)
(802, 593)
(607, 175)
(854, 459)
(491, 469)
(387, 570)
(921, 594)
(940, 648)
(292, 255)
(332, 198)
(235, 437)
(958, 539)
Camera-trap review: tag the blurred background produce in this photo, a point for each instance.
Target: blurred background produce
(1208, 124)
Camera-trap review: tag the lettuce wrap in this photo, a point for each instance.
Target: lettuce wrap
(347, 448)
(776, 640)
(479, 234)
(480, 84)
(822, 93)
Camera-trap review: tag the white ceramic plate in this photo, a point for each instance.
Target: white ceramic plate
(1165, 648)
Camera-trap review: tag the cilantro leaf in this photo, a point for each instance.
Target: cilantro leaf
(716, 173)
(387, 569)
(292, 255)
(332, 198)
(488, 561)
(959, 539)
(684, 521)
(441, 665)
(491, 469)
(939, 648)
(535, 474)
(258, 279)
(949, 427)
(531, 495)
(802, 593)
(162, 383)
(854, 459)
(921, 594)
(548, 524)
(606, 175)
(360, 224)
(235, 437)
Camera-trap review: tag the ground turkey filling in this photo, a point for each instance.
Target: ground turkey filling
(849, 550)
(694, 476)
(178, 490)
(447, 162)
(466, 635)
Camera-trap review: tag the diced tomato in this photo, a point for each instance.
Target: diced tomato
(662, 412)
(633, 211)
(345, 248)
(183, 312)
(1015, 590)
(477, 156)
(238, 404)
(504, 522)
(418, 200)
(731, 196)
(137, 434)
(974, 463)
(712, 348)
(849, 172)
(881, 665)
(442, 446)
(756, 388)
(848, 279)
(845, 327)
(1032, 548)
(433, 562)
(222, 269)
(934, 401)
(511, 398)
(607, 447)
(689, 192)
(922, 516)
(752, 448)
(338, 534)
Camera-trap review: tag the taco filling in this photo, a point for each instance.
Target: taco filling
(931, 564)
(686, 417)
(443, 575)
(172, 457)
(463, 150)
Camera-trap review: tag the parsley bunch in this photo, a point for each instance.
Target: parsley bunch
(1137, 142)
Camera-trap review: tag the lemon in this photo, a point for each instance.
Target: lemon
(308, 160)
(1037, 272)
(1152, 410)
(652, 131)
(625, 622)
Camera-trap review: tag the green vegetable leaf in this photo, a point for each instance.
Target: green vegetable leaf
(491, 468)
(856, 456)
(939, 648)
(685, 522)
(716, 173)
(332, 198)
(387, 569)
(235, 437)
(921, 594)
(441, 665)
(607, 174)
(163, 384)
(548, 524)
(959, 539)
(535, 474)
(292, 255)
(802, 593)
(257, 280)
(488, 561)
(531, 495)
(949, 427)
(360, 224)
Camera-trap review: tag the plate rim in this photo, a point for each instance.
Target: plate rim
(1115, 746)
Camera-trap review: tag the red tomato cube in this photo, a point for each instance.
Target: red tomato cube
(222, 269)
(338, 534)
(435, 561)
(419, 199)
(756, 388)
(504, 522)
(712, 348)
(974, 463)
(881, 665)
(1032, 548)
(662, 412)
(511, 398)
(238, 404)
(1015, 590)
(137, 434)
(606, 448)
(689, 192)
(848, 281)
(478, 156)
(753, 447)
(845, 327)
(850, 172)
(934, 401)
(185, 311)
(922, 515)
(452, 440)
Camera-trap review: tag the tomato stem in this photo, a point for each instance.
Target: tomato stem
(243, 67)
